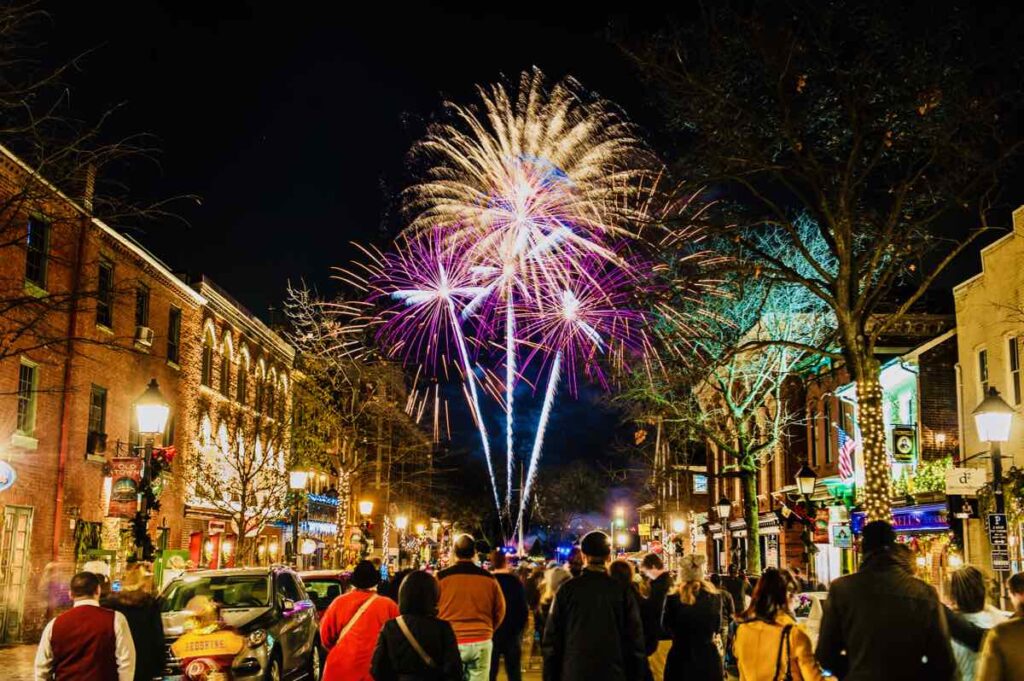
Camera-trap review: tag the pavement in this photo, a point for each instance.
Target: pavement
(16, 665)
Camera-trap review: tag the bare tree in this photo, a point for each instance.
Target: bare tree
(885, 126)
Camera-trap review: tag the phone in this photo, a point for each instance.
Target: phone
(115, 585)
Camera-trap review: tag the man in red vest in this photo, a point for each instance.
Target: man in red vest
(86, 643)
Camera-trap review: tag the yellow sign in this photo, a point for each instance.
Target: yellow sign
(644, 529)
(195, 644)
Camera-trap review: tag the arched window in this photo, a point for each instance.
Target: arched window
(260, 386)
(241, 383)
(269, 397)
(206, 375)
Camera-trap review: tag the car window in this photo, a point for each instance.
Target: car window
(227, 591)
(323, 591)
(287, 588)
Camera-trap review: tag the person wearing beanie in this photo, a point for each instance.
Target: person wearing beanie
(594, 630)
(472, 602)
(693, 616)
(350, 626)
(882, 622)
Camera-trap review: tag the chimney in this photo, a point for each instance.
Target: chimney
(89, 186)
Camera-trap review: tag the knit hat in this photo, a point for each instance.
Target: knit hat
(691, 567)
(365, 576)
(596, 545)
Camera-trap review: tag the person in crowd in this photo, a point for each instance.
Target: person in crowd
(728, 626)
(1002, 657)
(622, 572)
(693, 616)
(805, 584)
(350, 626)
(657, 641)
(967, 589)
(508, 637)
(140, 608)
(88, 642)
(594, 630)
(736, 586)
(882, 622)
(554, 578)
(472, 602)
(769, 642)
(574, 563)
(418, 645)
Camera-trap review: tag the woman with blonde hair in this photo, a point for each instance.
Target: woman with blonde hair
(693, 617)
(769, 643)
(137, 602)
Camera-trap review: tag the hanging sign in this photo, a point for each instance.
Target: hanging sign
(819, 533)
(7, 476)
(964, 481)
(904, 443)
(126, 478)
(842, 537)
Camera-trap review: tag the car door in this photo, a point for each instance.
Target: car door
(297, 622)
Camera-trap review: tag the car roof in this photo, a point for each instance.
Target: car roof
(322, 574)
(235, 572)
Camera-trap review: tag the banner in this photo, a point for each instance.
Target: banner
(126, 479)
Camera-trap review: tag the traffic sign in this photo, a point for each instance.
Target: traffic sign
(842, 537)
(997, 537)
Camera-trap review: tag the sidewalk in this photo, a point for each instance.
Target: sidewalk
(16, 662)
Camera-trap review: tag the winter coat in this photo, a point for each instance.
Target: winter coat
(593, 631)
(651, 610)
(1002, 657)
(694, 655)
(516, 610)
(757, 651)
(349, 659)
(471, 601)
(396, 660)
(143, 614)
(883, 623)
(966, 659)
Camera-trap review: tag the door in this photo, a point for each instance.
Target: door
(297, 624)
(15, 539)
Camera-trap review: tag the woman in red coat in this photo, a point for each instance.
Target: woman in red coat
(351, 625)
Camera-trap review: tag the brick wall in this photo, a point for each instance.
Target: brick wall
(938, 400)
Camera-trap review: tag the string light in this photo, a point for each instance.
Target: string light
(876, 460)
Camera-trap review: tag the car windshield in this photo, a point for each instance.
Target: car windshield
(227, 591)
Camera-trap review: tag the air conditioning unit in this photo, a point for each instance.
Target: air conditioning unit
(144, 335)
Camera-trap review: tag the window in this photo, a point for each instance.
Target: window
(225, 373)
(270, 399)
(982, 373)
(206, 376)
(142, 306)
(28, 375)
(105, 294)
(37, 251)
(287, 589)
(814, 436)
(260, 389)
(97, 420)
(241, 387)
(828, 431)
(1013, 348)
(173, 335)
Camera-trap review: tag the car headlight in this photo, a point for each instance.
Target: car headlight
(257, 637)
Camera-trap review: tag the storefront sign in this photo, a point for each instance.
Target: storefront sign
(644, 529)
(700, 484)
(997, 537)
(964, 481)
(7, 476)
(126, 477)
(904, 443)
(819, 533)
(842, 537)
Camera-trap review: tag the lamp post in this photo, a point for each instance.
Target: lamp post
(722, 508)
(297, 480)
(365, 510)
(993, 418)
(806, 479)
(151, 414)
(678, 527)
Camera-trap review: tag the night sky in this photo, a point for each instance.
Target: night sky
(291, 126)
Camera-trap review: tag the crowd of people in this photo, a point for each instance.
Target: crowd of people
(596, 618)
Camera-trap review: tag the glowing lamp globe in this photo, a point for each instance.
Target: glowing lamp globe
(993, 417)
(297, 479)
(805, 480)
(723, 507)
(420, 528)
(623, 539)
(365, 507)
(152, 410)
(678, 525)
(307, 547)
(402, 522)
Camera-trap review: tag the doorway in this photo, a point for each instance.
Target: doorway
(15, 540)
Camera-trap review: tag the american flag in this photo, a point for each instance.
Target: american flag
(846, 447)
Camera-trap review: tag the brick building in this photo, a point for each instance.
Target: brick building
(90, 318)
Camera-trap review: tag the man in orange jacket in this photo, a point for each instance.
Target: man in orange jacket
(350, 626)
(472, 602)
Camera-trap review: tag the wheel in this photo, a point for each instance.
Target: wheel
(274, 670)
(315, 668)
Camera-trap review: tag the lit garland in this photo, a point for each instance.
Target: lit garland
(344, 497)
(876, 460)
(385, 537)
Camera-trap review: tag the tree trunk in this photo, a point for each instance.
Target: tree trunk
(873, 441)
(750, 516)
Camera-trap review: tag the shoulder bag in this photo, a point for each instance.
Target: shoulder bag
(784, 641)
(355, 617)
(427, 659)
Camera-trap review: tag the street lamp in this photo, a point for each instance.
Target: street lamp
(722, 508)
(365, 508)
(623, 540)
(297, 480)
(993, 418)
(678, 525)
(401, 522)
(805, 480)
(151, 414)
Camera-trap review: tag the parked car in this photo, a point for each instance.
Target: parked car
(268, 606)
(323, 586)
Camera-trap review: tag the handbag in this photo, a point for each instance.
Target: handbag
(784, 641)
(427, 659)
